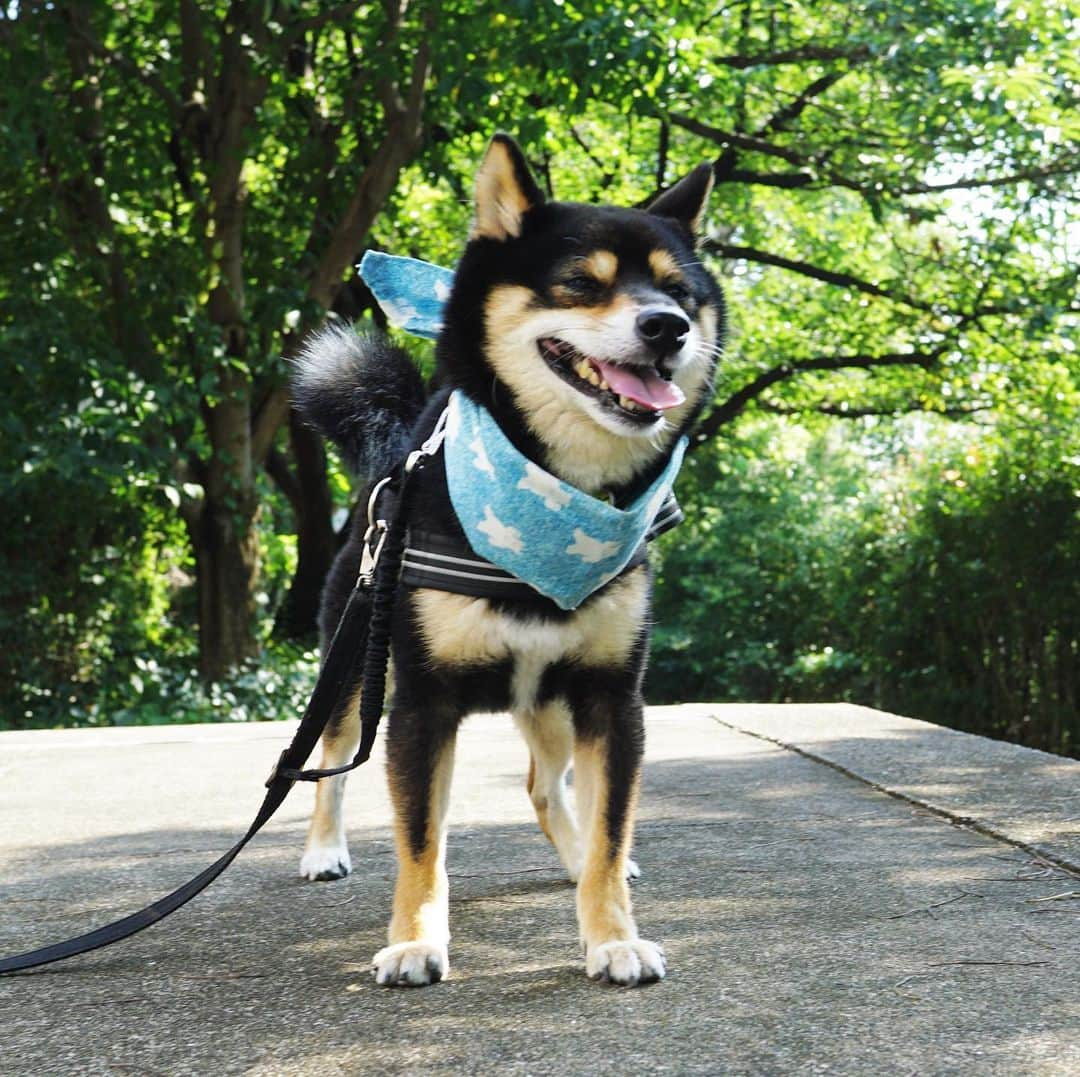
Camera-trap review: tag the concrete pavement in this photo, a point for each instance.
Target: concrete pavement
(838, 891)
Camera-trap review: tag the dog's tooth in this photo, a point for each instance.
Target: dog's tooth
(603, 383)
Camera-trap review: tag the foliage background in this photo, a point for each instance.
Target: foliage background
(884, 502)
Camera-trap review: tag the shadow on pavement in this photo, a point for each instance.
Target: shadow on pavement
(810, 923)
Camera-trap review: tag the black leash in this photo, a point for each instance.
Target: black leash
(362, 636)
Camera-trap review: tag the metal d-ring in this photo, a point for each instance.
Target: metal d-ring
(373, 500)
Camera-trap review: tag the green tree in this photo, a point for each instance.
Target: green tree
(188, 188)
(206, 176)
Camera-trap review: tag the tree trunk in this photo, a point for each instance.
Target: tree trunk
(223, 533)
(227, 568)
(317, 544)
(226, 545)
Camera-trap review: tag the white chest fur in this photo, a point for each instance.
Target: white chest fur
(460, 631)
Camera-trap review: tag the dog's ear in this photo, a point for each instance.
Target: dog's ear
(505, 191)
(686, 201)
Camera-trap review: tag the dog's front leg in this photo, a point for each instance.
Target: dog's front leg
(607, 768)
(420, 760)
(326, 854)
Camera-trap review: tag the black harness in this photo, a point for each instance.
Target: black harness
(446, 563)
(392, 554)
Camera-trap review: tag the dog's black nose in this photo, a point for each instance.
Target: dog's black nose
(664, 331)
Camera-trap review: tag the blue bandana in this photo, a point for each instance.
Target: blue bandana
(558, 539)
(411, 293)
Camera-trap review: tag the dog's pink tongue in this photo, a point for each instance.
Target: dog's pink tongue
(648, 389)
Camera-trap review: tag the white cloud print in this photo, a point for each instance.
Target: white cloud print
(537, 481)
(500, 534)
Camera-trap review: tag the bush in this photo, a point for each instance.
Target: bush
(942, 585)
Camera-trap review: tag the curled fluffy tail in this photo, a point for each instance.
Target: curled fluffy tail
(361, 393)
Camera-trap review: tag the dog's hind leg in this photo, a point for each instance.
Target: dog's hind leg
(326, 853)
(420, 763)
(549, 733)
(607, 767)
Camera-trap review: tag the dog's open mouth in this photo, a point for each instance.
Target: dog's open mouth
(639, 394)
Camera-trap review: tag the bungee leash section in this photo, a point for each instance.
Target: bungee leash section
(361, 643)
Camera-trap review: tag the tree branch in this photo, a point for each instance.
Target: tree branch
(794, 109)
(277, 467)
(663, 145)
(194, 55)
(607, 177)
(842, 411)
(341, 13)
(736, 403)
(793, 56)
(265, 422)
(784, 180)
(829, 276)
(399, 142)
(1068, 165)
(733, 138)
(1063, 167)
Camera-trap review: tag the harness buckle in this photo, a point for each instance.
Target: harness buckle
(369, 558)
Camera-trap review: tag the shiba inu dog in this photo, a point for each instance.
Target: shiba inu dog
(587, 336)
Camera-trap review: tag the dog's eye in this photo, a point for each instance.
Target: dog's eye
(581, 282)
(674, 290)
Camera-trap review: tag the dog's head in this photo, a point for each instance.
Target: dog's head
(590, 331)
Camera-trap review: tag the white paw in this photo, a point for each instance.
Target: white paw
(410, 964)
(635, 961)
(632, 869)
(322, 863)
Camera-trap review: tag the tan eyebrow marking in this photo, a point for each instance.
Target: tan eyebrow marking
(603, 265)
(663, 265)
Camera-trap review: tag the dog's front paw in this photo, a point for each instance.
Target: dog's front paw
(627, 963)
(325, 863)
(410, 964)
(632, 869)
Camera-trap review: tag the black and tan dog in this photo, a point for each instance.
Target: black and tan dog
(550, 300)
